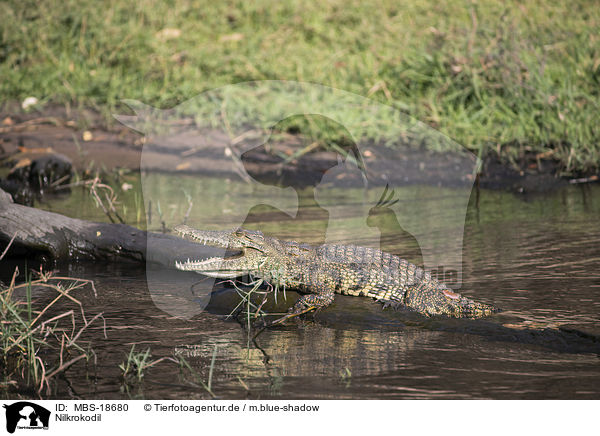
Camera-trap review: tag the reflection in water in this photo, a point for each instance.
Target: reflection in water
(304, 176)
(535, 257)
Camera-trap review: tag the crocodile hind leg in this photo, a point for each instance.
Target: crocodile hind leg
(305, 304)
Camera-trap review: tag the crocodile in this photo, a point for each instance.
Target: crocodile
(322, 271)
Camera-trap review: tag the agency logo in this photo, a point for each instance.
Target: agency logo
(26, 415)
(231, 158)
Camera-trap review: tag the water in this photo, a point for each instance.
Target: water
(536, 257)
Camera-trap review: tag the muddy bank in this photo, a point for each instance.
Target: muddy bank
(278, 160)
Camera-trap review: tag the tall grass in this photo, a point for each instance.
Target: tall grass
(36, 343)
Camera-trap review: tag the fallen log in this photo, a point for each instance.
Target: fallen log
(38, 233)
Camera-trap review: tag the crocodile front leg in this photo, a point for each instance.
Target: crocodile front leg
(307, 303)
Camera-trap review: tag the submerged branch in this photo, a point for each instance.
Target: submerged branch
(36, 232)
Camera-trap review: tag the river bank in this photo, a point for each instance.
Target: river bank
(99, 147)
(510, 78)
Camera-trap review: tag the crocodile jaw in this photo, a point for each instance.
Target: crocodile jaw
(248, 246)
(213, 238)
(215, 267)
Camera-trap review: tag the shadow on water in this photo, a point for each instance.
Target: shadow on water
(535, 257)
(348, 314)
(353, 349)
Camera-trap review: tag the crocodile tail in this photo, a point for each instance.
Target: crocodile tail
(429, 299)
(475, 309)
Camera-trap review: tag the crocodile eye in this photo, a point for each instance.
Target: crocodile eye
(239, 232)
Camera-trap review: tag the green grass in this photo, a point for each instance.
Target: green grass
(508, 77)
(36, 346)
(134, 369)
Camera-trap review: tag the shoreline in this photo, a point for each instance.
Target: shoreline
(119, 147)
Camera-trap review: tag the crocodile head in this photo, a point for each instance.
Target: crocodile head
(250, 251)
